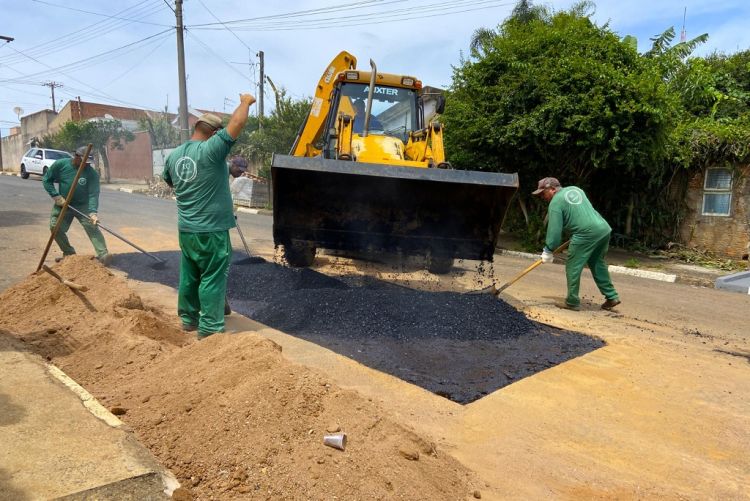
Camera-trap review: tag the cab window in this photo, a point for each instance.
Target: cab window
(393, 109)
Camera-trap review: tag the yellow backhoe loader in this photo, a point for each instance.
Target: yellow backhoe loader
(367, 174)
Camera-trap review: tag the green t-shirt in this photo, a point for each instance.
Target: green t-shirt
(570, 210)
(198, 172)
(63, 172)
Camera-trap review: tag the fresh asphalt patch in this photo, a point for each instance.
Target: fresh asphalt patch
(460, 346)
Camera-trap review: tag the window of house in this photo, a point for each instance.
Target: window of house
(717, 192)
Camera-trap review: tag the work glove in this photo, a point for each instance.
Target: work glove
(94, 218)
(547, 256)
(59, 200)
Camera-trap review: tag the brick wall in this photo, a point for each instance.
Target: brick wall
(724, 235)
(134, 161)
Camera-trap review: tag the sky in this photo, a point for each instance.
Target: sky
(124, 52)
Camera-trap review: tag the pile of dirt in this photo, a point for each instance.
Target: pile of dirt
(230, 416)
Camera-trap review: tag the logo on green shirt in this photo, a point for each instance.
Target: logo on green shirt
(186, 169)
(82, 181)
(573, 197)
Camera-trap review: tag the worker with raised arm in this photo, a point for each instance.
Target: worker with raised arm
(85, 199)
(571, 211)
(197, 170)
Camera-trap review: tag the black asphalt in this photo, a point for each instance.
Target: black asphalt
(457, 345)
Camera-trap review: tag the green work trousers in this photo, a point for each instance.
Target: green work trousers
(93, 232)
(589, 252)
(203, 279)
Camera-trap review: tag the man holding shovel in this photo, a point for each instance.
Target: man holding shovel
(197, 170)
(85, 200)
(570, 210)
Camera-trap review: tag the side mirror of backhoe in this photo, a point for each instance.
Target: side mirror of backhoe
(440, 105)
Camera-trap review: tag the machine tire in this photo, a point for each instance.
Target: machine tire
(44, 171)
(299, 255)
(438, 265)
(24, 174)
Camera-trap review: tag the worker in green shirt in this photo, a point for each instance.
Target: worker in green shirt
(571, 211)
(85, 199)
(197, 170)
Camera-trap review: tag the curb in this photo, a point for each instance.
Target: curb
(621, 270)
(4, 173)
(165, 478)
(87, 398)
(247, 211)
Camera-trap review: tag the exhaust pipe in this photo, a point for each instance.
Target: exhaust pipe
(370, 92)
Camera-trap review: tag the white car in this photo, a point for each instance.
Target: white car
(38, 160)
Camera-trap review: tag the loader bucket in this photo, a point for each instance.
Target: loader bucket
(344, 205)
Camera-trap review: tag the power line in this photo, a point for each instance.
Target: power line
(371, 18)
(140, 60)
(89, 32)
(81, 63)
(226, 27)
(333, 8)
(218, 56)
(97, 13)
(83, 83)
(170, 6)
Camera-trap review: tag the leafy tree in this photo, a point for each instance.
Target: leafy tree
(99, 133)
(558, 94)
(278, 133)
(555, 94)
(163, 133)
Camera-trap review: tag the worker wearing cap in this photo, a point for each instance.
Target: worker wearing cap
(198, 172)
(237, 166)
(85, 199)
(571, 211)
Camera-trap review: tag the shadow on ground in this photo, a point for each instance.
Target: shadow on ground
(456, 345)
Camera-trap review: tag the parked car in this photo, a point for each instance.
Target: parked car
(38, 160)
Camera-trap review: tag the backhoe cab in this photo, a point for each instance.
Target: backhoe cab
(367, 174)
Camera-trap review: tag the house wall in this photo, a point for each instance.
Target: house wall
(13, 148)
(134, 161)
(37, 124)
(724, 235)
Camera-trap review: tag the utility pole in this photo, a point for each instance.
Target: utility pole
(52, 86)
(260, 90)
(7, 40)
(184, 126)
(683, 33)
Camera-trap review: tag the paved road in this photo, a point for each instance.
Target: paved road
(147, 221)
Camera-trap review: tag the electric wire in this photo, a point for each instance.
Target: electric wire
(138, 62)
(215, 54)
(81, 63)
(332, 8)
(372, 18)
(226, 27)
(93, 90)
(92, 31)
(98, 13)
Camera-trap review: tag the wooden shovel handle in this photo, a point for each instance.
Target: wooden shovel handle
(70, 284)
(527, 270)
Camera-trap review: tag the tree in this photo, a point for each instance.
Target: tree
(163, 134)
(99, 133)
(559, 94)
(278, 133)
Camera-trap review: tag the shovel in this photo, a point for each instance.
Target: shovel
(496, 292)
(250, 259)
(158, 265)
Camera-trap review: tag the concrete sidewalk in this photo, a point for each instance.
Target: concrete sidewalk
(58, 442)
